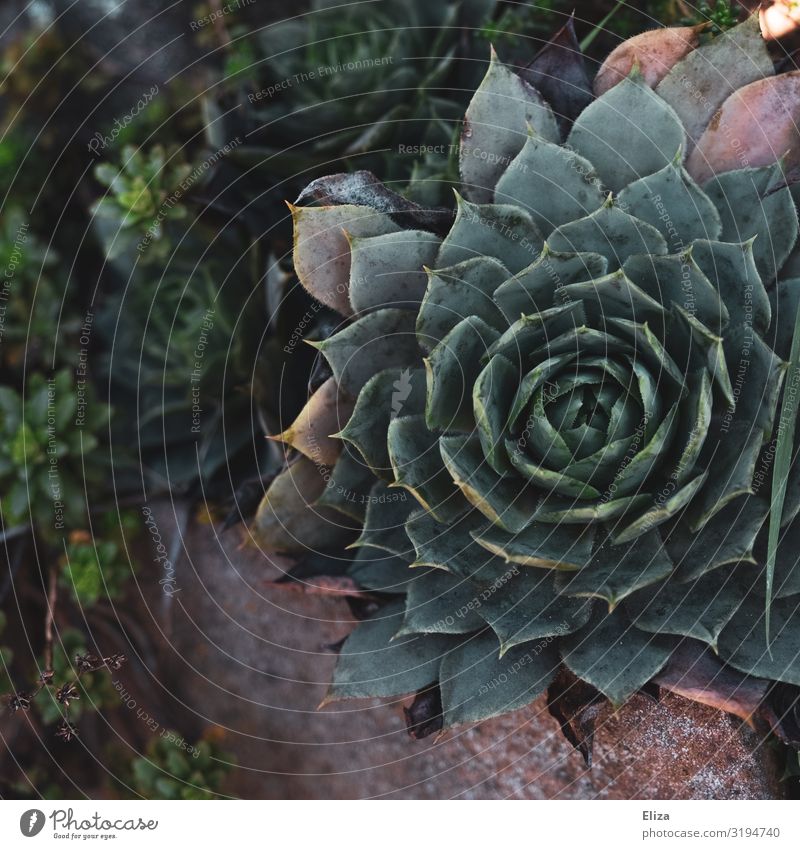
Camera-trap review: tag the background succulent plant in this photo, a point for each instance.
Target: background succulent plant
(561, 406)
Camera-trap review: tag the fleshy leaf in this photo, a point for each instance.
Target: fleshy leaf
(755, 202)
(386, 395)
(383, 573)
(614, 656)
(678, 279)
(611, 233)
(452, 548)
(325, 413)
(456, 293)
(558, 71)
(504, 501)
(384, 523)
(491, 395)
(373, 664)
(364, 189)
(322, 252)
(534, 288)
(732, 267)
(671, 202)
(702, 81)
(387, 271)
(526, 607)
(495, 128)
(418, 467)
(755, 126)
(728, 537)
(498, 231)
(653, 52)
(452, 369)
(347, 487)
(552, 183)
(700, 609)
(477, 684)
(381, 340)
(286, 519)
(614, 572)
(567, 547)
(743, 643)
(628, 133)
(667, 506)
(438, 603)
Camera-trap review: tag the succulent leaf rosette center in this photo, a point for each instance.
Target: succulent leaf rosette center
(558, 406)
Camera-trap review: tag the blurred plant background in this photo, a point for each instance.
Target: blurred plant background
(148, 312)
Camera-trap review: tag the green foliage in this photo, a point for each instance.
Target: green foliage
(47, 447)
(34, 327)
(96, 567)
(175, 769)
(144, 192)
(721, 14)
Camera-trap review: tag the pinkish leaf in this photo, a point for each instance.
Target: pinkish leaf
(755, 126)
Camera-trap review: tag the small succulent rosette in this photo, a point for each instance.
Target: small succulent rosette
(555, 414)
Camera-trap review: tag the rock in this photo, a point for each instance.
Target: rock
(249, 657)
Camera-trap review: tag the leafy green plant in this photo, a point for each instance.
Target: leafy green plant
(95, 567)
(34, 328)
(175, 769)
(144, 192)
(47, 451)
(562, 410)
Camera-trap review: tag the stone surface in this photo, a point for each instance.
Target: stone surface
(250, 658)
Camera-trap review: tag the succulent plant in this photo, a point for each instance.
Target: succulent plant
(95, 566)
(555, 418)
(143, 193)
(175, 769)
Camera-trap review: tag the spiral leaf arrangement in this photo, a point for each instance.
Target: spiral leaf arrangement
(554, 416)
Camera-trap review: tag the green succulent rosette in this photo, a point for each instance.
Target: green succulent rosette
(552, 417)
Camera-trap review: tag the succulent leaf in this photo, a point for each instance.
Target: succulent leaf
(756, 203)
(381, 340)
(613, 656)
(495, 128)
(702, 81)
(628, 133)
(499, 231)
(609, 232)
(478, 684)
(372, 663)
(322, 252)
(287, 519)
(654, 53)
(562, 185)
(384, 522)
(755, 126)
(614, 572)
(383, 397)
(699, 609)
(673, 203)
(387, 270)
